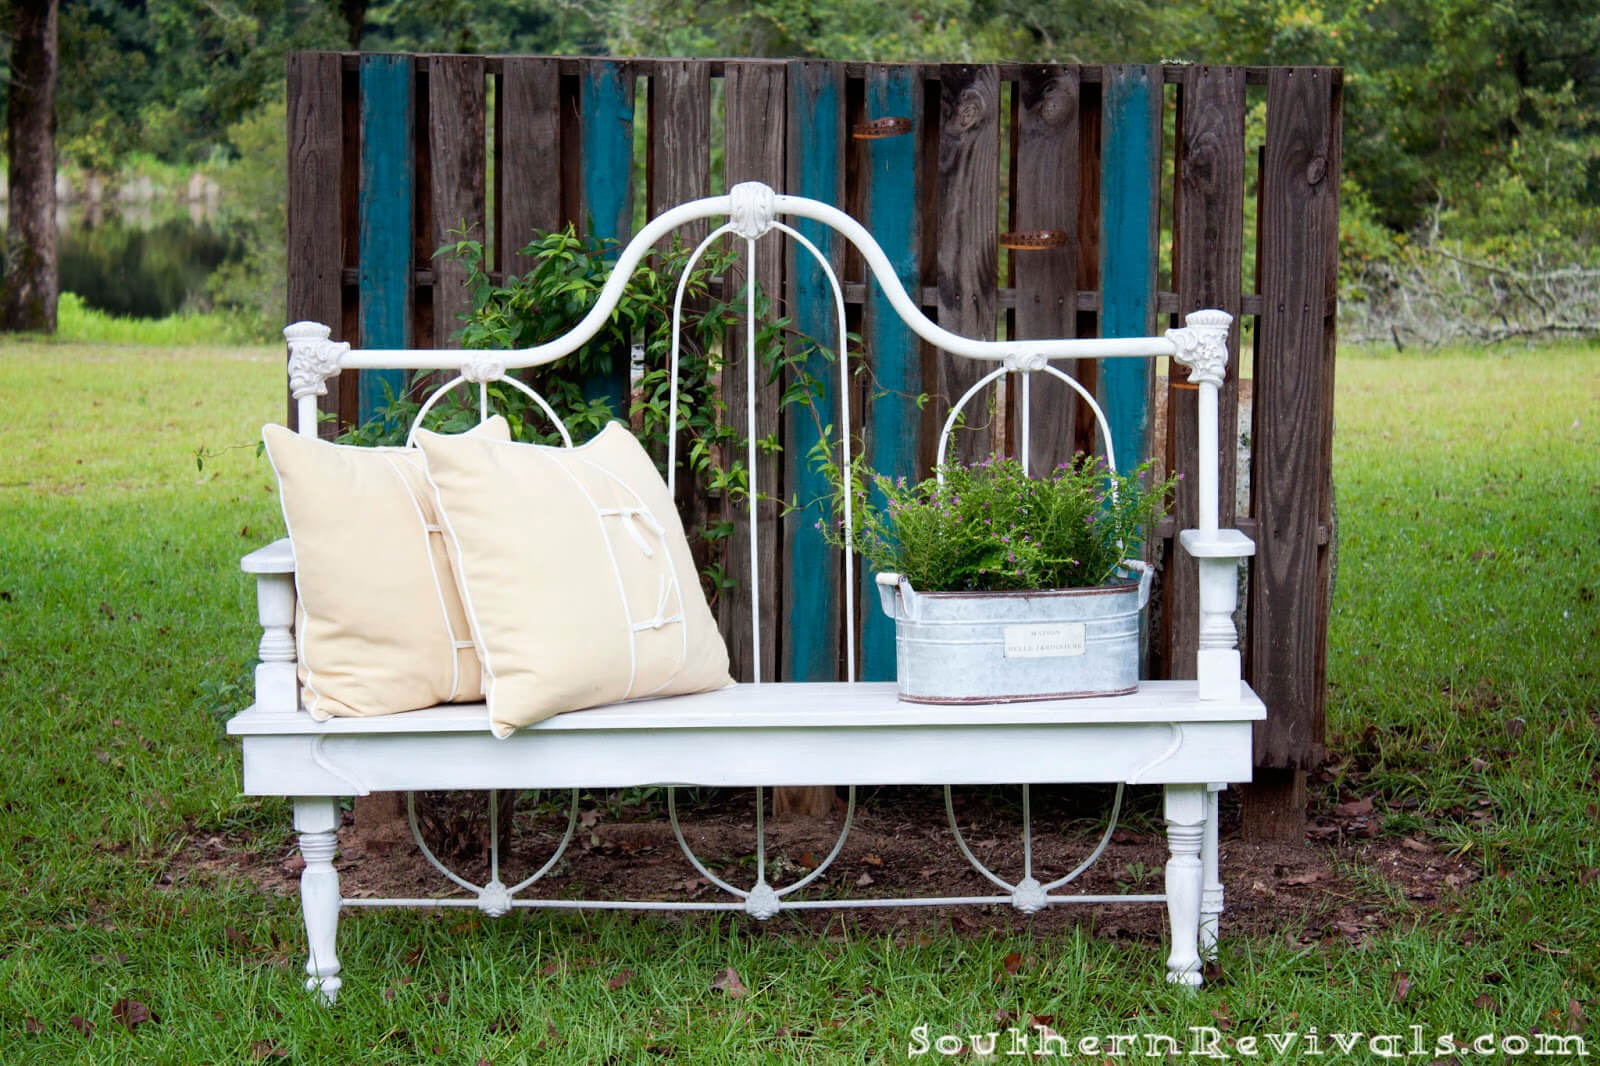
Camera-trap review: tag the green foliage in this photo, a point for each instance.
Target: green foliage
(251, 285)
(170, 77)
(78, 324)
(554, 296)
(989, 527)
(548, 301)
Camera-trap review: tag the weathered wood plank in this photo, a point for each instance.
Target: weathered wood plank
(757, 110)
(315, 227)
(1208, 253)
(527, 141)
(350, 233)
(1045, 197)
(677, 170)
(680, 140)
(891, 418)
(968, 250)
(1290, 457)
(1129, 213)
(811, 577)
(456, 147)
(606, 106)
(387, 194)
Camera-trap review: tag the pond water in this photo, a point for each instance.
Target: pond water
(136, 249)
(140, 267)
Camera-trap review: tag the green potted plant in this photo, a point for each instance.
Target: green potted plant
(1007, 587)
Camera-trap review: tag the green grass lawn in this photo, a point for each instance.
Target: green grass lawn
(1465, 697)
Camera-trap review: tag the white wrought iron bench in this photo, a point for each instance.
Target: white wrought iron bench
(1192, 737)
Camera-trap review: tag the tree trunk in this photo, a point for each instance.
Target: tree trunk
(354, 13)
(28, 299)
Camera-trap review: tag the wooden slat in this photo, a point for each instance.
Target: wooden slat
(1208, 251)
(1330, 275)
(757, 111)
(606, 117)
(456, 148)
(350, 231)
(1045, 197)
(811, 577)
(678, 169)
(680, 140)
(315, 229)
(387, 194)
(892, 421)
(527, 141)
(1290, 457)
(1129, 211)
(968, 260)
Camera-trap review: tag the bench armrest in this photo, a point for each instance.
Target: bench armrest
(275, 558)
(1217, 544)
(277, 675)
(1218, 552)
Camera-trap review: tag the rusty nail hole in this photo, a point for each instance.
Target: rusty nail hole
(1031, 240)
(873, 129)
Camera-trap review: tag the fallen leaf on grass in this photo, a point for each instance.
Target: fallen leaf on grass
(131, 1014)
(728, 981)
(1355, 808)
(1574, 1015)
(1012, 962)
(1402, 987)
(622, 978)
(264, 1049)
(1487, 1002)
(84, 1027)
(30, 1024)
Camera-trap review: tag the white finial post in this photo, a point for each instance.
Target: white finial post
(313, 359)
(1203, 347)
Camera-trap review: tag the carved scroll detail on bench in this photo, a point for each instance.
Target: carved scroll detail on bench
(1142, 774)
(313, 358)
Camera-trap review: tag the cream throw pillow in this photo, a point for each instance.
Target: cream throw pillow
(576, 574)
(379, 627)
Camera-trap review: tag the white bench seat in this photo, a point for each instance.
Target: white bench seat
(771, 734)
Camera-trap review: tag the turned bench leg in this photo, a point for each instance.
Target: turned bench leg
(1211, 888)
(1186, 817)
(316, 819)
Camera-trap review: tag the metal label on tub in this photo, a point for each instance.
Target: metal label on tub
(1044, 642)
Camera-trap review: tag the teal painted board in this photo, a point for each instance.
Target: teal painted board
(893, 420)
(816, 169)
(384, 244)
(605, 102)
(1130, 166)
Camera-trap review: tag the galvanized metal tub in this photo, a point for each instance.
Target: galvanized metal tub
(1006, 647)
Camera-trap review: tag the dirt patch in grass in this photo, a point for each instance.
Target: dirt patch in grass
(1344, 883)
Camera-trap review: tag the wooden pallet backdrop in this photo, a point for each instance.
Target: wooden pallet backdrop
(1145, 170)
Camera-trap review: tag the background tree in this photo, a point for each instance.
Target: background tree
(30, 286)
